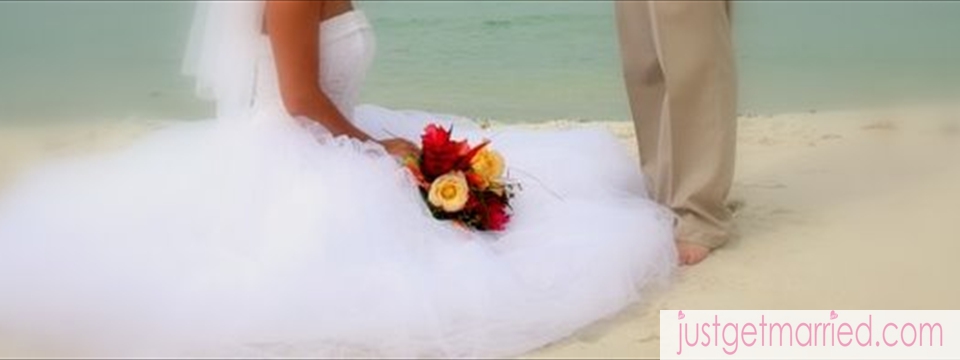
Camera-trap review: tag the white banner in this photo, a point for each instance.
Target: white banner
(810, 334)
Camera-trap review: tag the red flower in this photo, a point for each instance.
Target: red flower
(467, 157)
(475, 180)
(496, 217)
(473, 204)
(485, 209)
(440, 154)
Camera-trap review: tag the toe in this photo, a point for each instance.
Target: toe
(691, 254)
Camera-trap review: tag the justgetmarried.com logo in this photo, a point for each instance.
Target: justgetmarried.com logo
(809, 334)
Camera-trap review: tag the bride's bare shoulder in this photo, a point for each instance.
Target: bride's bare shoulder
(281, 11)
(317, 10)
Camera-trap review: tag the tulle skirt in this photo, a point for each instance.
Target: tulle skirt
(254, 237)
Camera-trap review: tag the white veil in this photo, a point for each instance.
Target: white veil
(222, 53)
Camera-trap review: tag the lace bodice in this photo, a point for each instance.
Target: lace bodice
(347, 47)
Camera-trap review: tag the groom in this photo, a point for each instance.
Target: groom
(681, 82)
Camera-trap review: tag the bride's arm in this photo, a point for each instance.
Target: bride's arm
(294, 36)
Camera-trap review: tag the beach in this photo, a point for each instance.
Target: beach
(835, 210)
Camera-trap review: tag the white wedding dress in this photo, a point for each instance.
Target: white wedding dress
(258, 236)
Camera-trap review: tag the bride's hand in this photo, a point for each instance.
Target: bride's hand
(400, 148)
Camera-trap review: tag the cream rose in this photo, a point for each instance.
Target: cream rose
(449, 192)
(488, 164)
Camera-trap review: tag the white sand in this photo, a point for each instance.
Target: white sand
(856, 210)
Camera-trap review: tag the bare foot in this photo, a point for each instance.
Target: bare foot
(691, 254)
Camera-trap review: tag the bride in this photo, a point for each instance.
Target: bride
(286, 227)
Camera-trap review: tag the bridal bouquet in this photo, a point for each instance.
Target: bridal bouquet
(461, 183)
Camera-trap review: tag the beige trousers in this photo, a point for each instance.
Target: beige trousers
(681, 81)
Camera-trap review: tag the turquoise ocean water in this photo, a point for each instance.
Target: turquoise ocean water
(507, 60)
